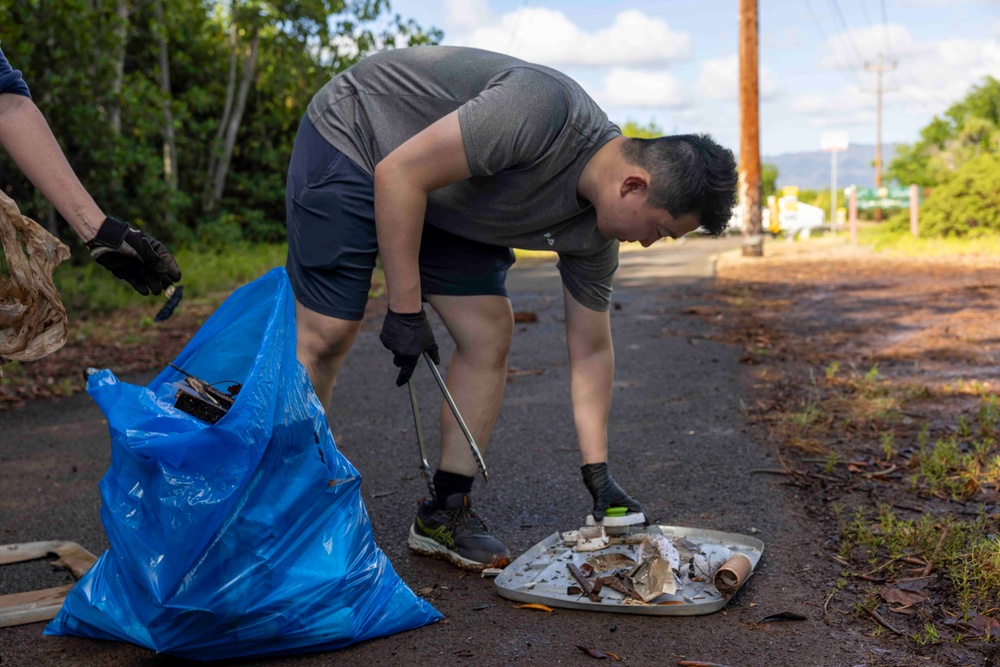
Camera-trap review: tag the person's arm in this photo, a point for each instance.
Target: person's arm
(431, 159)
(26, 137)
(592, 371)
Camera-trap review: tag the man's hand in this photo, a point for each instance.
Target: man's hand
(407, 336)
(605, 490)
(134, 256)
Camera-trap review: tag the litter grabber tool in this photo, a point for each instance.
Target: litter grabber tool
(454, 410)
(420, 439)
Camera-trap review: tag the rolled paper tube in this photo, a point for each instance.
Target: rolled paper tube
(732, 574)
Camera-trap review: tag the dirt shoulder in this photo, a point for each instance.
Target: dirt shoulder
(873, 379)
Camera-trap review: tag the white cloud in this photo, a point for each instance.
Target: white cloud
(929, 76)
(863, 118)
(720, 80)
(633, 88)
(550, 37)
(870, 41)
(464, 14)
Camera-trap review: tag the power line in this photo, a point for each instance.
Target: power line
(822, 34)
(815, 20)
(864, 8)
(885, 27)
(850, 35)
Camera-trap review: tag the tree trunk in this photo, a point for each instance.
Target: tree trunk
(216, 149)
(169, 145)
(121, 32)
(232, 127)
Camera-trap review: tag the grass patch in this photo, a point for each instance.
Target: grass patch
(898, 239)
(963, 551)
(91, 288)
(207, 275)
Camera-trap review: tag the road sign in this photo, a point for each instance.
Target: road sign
(895, 197)
(833, 141)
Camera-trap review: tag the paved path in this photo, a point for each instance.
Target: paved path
(678, 442)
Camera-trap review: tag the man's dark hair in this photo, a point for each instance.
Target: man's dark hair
(689, 173)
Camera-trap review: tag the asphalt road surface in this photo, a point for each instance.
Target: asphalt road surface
(678, 443)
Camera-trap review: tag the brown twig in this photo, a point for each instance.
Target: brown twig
(930, 561)
(880, 473)
(588, 588)
(881, 621)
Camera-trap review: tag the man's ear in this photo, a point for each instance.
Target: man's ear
(634, 184)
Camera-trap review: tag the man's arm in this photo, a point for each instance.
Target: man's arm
(592, 371)
(431, 159)
(26, 136)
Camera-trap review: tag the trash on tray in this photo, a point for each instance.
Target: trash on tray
(653, 570)
(732, 574)
(658, 560)
(591, 538)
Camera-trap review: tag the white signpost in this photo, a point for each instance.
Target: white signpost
(833, 142)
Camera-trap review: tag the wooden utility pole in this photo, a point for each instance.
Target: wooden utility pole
(750, 186)
(879, 68)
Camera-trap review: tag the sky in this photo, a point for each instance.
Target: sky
(674, 62)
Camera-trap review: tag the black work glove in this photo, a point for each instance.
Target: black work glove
(407, 335)
(134, 256)
(605, 490)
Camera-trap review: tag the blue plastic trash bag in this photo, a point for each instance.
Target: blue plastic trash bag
(246, 537)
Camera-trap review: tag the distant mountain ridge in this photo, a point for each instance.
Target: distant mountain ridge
(810, 170)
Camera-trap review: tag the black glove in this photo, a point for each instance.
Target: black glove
(605, 490)
(134, 256)
(407, 335)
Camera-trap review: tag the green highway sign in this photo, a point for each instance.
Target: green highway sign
(895, 197)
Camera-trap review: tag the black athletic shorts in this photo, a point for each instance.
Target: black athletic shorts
(330, 206)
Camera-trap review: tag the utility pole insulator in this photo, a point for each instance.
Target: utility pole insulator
(750, 184)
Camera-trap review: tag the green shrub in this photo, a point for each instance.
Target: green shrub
(967, 204)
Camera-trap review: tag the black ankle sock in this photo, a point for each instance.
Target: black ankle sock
(449, 483)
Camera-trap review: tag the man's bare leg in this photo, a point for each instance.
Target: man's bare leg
(482, 327)
(447, 527)
(322, 344)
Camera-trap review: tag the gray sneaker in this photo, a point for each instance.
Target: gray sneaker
(457, 535)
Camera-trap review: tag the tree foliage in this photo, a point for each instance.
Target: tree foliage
(636, 131)
(969, 129)
(967, 204)
(68, 52)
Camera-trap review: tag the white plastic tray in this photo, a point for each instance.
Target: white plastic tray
(541, 574)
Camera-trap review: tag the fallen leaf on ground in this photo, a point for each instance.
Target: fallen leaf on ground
(914, 584)
(522, 372)
(525, 317)
(904, 598)
(985, 626)
(784, 616)
(600, 655)
(426, 590)
(908, 611)
(535, 605)
(706, 311)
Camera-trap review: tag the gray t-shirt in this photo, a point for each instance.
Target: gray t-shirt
(528, 131)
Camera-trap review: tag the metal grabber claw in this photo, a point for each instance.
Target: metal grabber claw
(458, 418)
